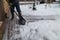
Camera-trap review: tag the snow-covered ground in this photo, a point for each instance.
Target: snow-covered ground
(39, 29)
(42, 10)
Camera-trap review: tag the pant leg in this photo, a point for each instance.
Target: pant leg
(12, 11)
(18, 9)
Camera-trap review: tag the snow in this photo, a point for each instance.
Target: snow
(38, 29)
(41, 10)
(57, 0)
(26, 2)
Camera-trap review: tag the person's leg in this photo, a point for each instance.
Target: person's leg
(21, 19)
(18, 9)
(12, 11)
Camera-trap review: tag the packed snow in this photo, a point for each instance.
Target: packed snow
(38, 29)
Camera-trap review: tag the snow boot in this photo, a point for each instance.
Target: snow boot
(22, 21)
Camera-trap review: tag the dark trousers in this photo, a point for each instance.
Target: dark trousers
(17, 8)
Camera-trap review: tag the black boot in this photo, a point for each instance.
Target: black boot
(22, 21)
